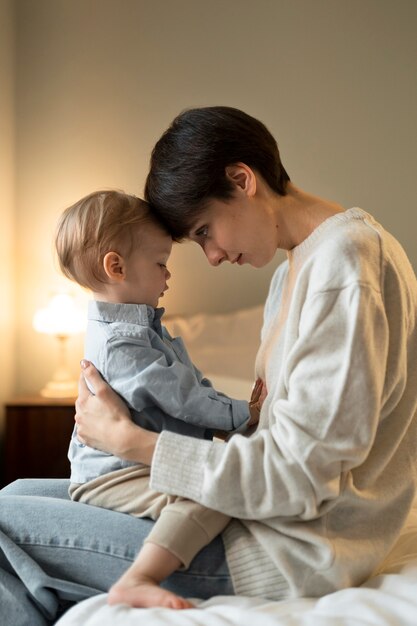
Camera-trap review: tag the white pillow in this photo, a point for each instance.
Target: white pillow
(223, 344)
(238, 388)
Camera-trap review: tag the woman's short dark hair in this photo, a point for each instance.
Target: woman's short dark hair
(188, 163)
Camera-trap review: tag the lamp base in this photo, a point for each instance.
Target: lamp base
(60, 389)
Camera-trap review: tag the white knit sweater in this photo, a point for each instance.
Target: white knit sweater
(322, 489)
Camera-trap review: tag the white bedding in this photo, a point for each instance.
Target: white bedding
(388, 599)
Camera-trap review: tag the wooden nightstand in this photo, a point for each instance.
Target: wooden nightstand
(36, 438)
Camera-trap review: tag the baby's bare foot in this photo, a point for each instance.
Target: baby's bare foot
(145, 592)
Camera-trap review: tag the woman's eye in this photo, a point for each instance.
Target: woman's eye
(202, 232)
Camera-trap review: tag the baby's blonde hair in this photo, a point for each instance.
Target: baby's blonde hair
(101, 222)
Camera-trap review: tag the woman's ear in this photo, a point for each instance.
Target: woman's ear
(242, 177)
(114, 266)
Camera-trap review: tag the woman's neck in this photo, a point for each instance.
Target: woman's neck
(299, 214)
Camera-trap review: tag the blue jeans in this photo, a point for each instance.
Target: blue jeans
(55, 552)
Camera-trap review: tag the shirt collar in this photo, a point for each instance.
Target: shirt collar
(140, 314)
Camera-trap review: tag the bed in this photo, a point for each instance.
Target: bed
(224, 348)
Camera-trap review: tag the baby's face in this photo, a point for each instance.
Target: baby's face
(146, 269)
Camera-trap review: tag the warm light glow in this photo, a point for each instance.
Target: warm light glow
(60, 317)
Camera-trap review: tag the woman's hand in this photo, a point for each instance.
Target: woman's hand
(103, 420)
(259, 393)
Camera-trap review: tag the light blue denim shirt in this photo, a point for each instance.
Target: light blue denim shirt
(154, 374)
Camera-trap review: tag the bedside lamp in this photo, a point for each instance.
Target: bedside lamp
(61, 318)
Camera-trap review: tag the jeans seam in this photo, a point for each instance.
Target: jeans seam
(218, 577)
(71, 547)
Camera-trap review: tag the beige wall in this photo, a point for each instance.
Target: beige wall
(7, 209)
(99, 80)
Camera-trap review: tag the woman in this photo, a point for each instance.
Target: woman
(322, 489)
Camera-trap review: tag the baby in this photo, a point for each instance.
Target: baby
(111, 243)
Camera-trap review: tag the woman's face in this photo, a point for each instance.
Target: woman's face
(241, 230)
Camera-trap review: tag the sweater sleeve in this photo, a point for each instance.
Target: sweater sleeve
(316, 430)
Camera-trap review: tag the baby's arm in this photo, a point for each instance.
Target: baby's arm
(145, 378)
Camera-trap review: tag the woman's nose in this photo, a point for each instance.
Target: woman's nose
(214, 254)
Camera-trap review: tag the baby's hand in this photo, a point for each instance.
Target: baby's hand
(258, 396)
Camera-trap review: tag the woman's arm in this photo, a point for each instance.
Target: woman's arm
(313, 433)
(103, 421)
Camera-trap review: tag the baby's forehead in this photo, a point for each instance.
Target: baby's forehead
(156, 240)
(167, 247)
(154, 232)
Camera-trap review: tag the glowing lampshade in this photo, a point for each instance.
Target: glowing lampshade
(62, 318)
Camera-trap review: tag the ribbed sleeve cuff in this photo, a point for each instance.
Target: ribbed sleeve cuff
(178, 465)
